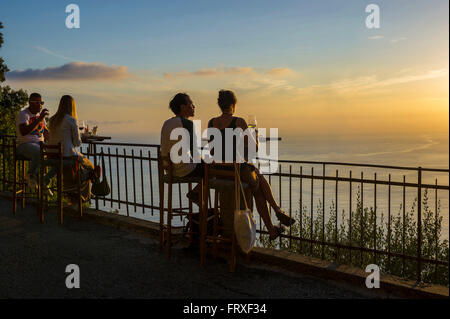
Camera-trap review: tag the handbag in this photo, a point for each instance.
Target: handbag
(244, 224)
(101, 188)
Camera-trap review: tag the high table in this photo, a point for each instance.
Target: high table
(89, 139)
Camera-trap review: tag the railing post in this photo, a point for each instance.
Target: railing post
(419, 224)
(160, 175)
(3, 165)
(323, 211)
(94, 148)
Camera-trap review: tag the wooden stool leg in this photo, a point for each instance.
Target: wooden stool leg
(216, 223)
(14, 185)
(161, 216)
(191, 239)
(80, 202)
(233, 253)
(59, 187)
(169, 219)
(23, 184)
(41, 190)
(237, 206)
(203, 225)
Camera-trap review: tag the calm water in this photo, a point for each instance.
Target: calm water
(424, 151)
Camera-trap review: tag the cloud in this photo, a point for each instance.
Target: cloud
(45, 50)
(363, 83)
(397, 40)
(280, 72)
(71, 71)
(391, 40)
(376, 37)
(214, 72)
(210, 72)
(119, 122)
(264, 83)
(371, 82)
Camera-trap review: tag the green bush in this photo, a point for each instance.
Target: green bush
(11, 101)
(399, 235)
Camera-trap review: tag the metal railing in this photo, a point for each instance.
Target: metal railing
(133, 177)
(418, 186)
(125, 178)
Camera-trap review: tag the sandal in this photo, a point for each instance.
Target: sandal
(284, 218)
(279, 231)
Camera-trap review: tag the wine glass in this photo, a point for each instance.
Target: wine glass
(81, 125)
(252, 121)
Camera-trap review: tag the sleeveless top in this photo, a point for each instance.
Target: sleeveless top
(232, 125)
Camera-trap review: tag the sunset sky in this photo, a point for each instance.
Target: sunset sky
(306, 67)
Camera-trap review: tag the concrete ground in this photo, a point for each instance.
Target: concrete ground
(119, 264)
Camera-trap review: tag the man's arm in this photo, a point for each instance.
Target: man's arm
(46, 133)
(26, 129)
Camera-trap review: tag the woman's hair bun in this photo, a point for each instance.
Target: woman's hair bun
(226, 99)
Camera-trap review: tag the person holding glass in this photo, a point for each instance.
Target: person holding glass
(261, 189)
(31, 129)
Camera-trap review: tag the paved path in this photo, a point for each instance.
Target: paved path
(118, 264)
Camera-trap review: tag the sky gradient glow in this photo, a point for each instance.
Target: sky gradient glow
(307, 67)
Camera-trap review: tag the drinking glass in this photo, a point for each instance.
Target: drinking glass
(252, 121)
(81, 126)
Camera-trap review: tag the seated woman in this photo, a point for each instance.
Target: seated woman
(64, 129)
(262, 192)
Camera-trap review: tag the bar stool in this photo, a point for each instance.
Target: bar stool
(50, 155)
(220, 177)
(21, 193)
(165, 165)
(71, 163)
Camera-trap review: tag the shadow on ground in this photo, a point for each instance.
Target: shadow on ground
(119, 264)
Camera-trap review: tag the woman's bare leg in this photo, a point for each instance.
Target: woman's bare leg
(263, 211)
(266, 190)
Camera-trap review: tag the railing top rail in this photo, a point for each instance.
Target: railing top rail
(423, 169)
(124, 144)
(443, 170)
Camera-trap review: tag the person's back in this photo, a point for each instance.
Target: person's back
(222, 124)
(179, 169)
(261, 189)
(64, 130)
(68, 135)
